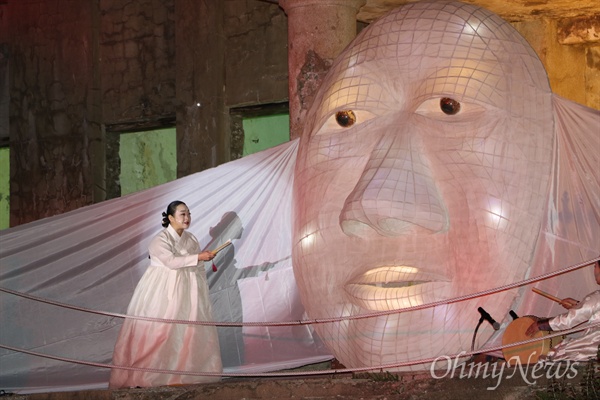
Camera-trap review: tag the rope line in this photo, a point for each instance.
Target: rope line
(318, 320)
(306, 322)
(307, 373)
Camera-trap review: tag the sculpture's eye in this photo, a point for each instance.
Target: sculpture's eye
(450, 110)
(344, 121)
(449, 106)
(345, 118)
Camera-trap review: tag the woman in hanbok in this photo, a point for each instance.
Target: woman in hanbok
(173, 287)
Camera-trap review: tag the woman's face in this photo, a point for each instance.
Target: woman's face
(181, 218)
(422, 176)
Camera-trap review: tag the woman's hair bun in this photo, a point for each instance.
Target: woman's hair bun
(165, 220)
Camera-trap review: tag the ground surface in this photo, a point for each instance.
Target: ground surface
(499, 383)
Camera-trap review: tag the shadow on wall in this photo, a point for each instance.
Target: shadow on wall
(224, 291)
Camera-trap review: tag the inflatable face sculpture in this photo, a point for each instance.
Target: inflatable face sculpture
(422, 175)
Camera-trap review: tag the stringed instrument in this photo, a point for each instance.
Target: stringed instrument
(528, 353)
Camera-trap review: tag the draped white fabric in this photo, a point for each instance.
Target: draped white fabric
(93, 258)
(571, 231)
(571, 228)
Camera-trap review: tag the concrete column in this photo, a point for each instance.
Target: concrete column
(318, 30)
(200, 84)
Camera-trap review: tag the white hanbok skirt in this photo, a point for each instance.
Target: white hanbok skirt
(176, 294)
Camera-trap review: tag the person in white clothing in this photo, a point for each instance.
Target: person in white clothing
(173, 287)
(587, 311)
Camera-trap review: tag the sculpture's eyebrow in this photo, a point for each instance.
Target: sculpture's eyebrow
(480, 81)
(356, 87)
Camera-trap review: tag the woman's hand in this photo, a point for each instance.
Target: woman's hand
(206, 256)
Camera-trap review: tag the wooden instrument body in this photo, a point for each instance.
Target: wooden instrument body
(528, 353)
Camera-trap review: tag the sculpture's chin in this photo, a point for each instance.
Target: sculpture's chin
(398, 342)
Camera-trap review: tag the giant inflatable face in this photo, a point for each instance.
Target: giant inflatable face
(422, 175)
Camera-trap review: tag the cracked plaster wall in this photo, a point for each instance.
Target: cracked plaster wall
(77, 67)
(52, 120)
(83, 71)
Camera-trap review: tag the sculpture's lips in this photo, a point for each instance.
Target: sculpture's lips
(397, 286)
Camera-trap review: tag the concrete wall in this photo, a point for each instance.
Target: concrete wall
(82, 71)
(136, 70)
(137, 60)
(4, 187)
(53, 113)
(573, 68)
(256, 57)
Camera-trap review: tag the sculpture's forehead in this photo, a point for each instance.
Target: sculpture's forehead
(435, 48)
(416, 37)
(394, 38)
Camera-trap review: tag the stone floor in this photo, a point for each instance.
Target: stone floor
(582, 382)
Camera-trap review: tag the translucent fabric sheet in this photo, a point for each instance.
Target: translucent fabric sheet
(571, 227)
(571, 230)
(93, 258)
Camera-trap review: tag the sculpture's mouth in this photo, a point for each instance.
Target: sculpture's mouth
(396, 286)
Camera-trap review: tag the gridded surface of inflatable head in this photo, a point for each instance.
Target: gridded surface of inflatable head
(423, 174)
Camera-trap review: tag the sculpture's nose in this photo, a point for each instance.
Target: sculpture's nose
(396, 194)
